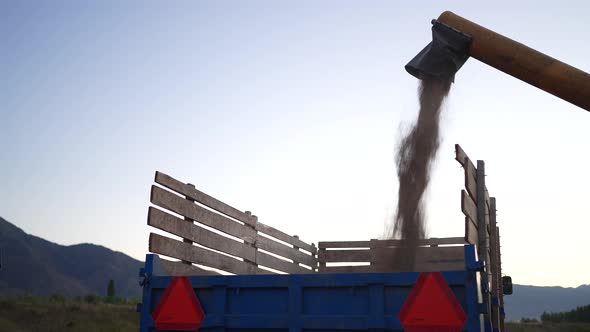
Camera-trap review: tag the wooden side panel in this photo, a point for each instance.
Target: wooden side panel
(174, 203)
(208, 211)
(180, 269)
(469, 208)
(271, 231)
(184, 189)
(470, 171)
(172, 248)
(382, 259)
(280, 249)
(427, 259)
(423, 254)
(204, 237)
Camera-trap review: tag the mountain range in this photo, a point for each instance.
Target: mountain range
(32, 265)
(532, 301)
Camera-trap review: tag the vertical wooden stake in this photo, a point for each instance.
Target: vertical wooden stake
(321, 261)
(500, 275)
(191, 221)
(483, 232)
(296, 248)
(373, 256)
(314, 268)
(252, 242)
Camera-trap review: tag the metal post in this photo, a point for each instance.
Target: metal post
(494, 266)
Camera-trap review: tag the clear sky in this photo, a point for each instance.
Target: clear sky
(290, 110)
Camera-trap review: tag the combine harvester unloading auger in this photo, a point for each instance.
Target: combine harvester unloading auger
(455, 39)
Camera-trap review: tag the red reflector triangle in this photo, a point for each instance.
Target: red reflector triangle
(432, 306)
(178, 309)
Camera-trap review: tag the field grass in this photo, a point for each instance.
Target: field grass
(547, 327)
(24, 314)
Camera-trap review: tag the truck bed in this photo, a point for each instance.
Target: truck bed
(307, 302)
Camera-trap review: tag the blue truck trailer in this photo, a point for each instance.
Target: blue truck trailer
(223, 270)
(312, 302)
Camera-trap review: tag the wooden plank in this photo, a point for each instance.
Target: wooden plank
(439, 266)
(421, 242)
(468, 207)
(172, 248)
(423, 267)
(471, 234)
(321, 264)
(483, 248)
(420, 267)
(387, 256)
(471, 184)
(174, 203)
(388, 243)
(482, 212)
(199, 196)
(199, 235)
(268, 230)
(275, 263)
(471, 180)
(180, 269)
(460, 155)
(346, 269)
(470, 174)
(355, 255)
(280, 249)
(344, 244)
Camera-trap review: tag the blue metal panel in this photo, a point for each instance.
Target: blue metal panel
(309, 302)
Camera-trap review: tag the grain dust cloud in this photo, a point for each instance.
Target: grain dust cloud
(414, 156)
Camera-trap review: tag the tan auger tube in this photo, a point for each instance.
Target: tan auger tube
(524, 63)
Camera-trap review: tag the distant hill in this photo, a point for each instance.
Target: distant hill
(532, 301)
(33, 265)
